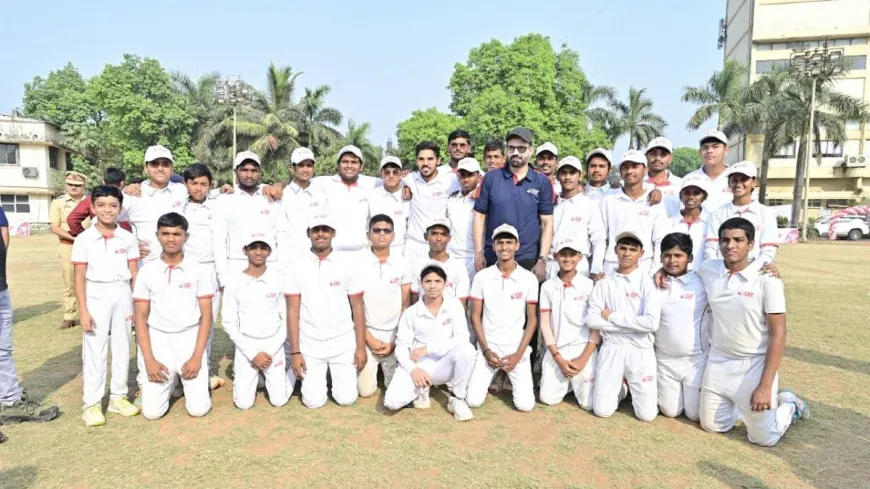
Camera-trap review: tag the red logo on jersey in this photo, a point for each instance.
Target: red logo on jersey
(120, 251)
(580, 298)
(746, 293)
(279, 363)
(271, 295)
(446, 322)
(264, 212)
(517, 295)
(177, 203)
(185, 285)
(398, 212)
(649, 378)
(335, 283)
(643, 213)
(577, 219)
(437, 194)
(688, 295)
(394, 280)
(314, 204)
(632, 295)
(364, 199)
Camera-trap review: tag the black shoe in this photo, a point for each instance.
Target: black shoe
(27, 410)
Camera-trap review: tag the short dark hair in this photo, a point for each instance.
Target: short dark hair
(107, 191)
(437, 270)
(113, 176)
(459, 133)
(628, 240)
(679, 240)
(738, 223)
(172, 220)
(427, 145)
(493, 146)
(134, 180)
(380, 218)
(504, 236)
(195, 171)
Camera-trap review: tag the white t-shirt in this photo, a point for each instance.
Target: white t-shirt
(200, 239)
(634, 305)
(144, 211)
(580, 217)
(460, 212)
(504, 303)
(670, 187)
(695, 229)
(718, 191)
(237, 216)
(382, 290)
(439, 333)
(762, 218)
(620, 214)
(391, 204)
(348, 207)
(428, 201)
(458, 284)
(107, 257)
(254, 309)
(567, 303)
(685, 318)
(298, 206)
(173, 294)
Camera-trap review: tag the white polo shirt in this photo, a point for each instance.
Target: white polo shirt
(254, 309)
(460, 212)
(144, 211)
(620, 213)
(428, 201)
(348, 207)
(298, 206)
(382, 290)
(107, 257)
(567, 303)
(634, 305)
(740, 303)
(694, 228)
(596, 194)
(504, 303)
(762, 218)
(439, 333)
(670, 187)
(173, 294)
(236, 217)
(458, 284)
(718, 191)
(200, 240)
(391, 204)
(580, 217)
(325, 317)
(685, 318)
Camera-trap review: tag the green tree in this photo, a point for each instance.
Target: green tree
(685, 160)
(722, 95)
(425, 125)
(317, 122)
(356, 135)
(635, 118)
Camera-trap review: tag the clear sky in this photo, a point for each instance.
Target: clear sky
(383, 58)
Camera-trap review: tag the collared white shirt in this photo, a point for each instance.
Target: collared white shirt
(685, 318)
(762, 218)
(718, 191)
(446, 168)
(173, 293)
(200, 239)
(620, 213)
(324, 287)
(504, 300)
(428, 201)
(439, 333)
(348, 207)
(236, 217)
(254, 309)
(458, 284)
(596, 194)
(382, 284)
(567, 303)
(107, 257)
(634, 305)
(298, 206)
(460, 212)
(694, 228)
(144, 211)
(740, 303)
(669, 187)
(580, 217)
(391, 204)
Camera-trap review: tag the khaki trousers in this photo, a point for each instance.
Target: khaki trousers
(64, 253)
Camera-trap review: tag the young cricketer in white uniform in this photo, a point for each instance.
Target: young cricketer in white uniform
(577, 216)
(172, 302)
(460, 213)
(438, 235)
(432, 348)
(504, 297)
(386, 279)
(682, 341)
(572, 348)
(105, 258)
(692, 219)
(325, 319)
(713, 148)
(254, 317)
(387, 199)
(747, 339)
(658, 157)
(625, 308)
(430, 189)
(300, 201)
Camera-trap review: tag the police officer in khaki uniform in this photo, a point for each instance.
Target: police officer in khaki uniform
(60, 209)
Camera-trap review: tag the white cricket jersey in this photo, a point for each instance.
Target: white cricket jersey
(298, 206)
(458, 284)
(254, 309)
(200, 240)
(428, 201)
(144, 211)
(596, 194)
(107, 257)
(439, 333)
(620, 214)
(391, 204)
(236, 217)
(504, 300)
(173, 294)
(460, 212)
(762, 218)
(740, 303)
(695, 228)
(348, 207)
(685, 317)
(382, 284)
(669, 187)
(580, 217)
(718, 191)
(447, 169)
(567, 303)
(634, 305)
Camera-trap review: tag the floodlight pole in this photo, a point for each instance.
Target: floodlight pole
(809, 152)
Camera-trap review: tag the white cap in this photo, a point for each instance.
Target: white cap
(156, 152)
(577, 245)
(629, 234)
(571, 161)
(352, 150)
(260, 237)
(244, 156)
(743, 167)
(714, 134)
(633, 156)
(301, 154)
(438, 221)
(506, 229)
(660, 142)
(391, 160)
(320, 220)
(600, 152)
(469, 164)
(699, 182)
(547, 147)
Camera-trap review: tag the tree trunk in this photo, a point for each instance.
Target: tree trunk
(798, 194)
(765, 167)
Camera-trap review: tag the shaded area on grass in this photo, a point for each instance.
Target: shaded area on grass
(18, 477)
(819, 358)
(22, 314)
(54, 373)
(730, 476)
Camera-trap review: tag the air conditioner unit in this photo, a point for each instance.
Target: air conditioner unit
(855, 161)
(30, 171)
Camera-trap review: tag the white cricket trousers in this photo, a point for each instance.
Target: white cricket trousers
(679, 384)
(726, 395)
(342, 371)
(367, 379)
(415, 249)
(520, 378)
(247, 377)
(638, 367)
(111, 307)
(455, 367)
(554, 384)
(173, 350)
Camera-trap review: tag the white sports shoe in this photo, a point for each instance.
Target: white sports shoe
(801, 407)
(423, 401)
(460, 409)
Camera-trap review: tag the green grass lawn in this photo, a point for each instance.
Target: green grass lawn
(827, 362)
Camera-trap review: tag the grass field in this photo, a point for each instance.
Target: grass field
(827, 362)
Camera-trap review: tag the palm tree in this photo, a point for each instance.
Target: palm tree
(635, 118)
(316, 122)
(722, 95)
(357, 135)
(597, 115)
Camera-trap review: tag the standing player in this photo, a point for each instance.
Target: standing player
(598, 166)
(347, 203)
(493, 155)
(58, 212)
(387, 199)
(714, 147)
(625, 308)
(437, 233)
(430, 189)
(460, 213)
(658, 157)
(504, 298)
(112, 177)
(692, 219)
(300, 202)
(546, 158)
(458, 148)
(579, 217)
(747, 342)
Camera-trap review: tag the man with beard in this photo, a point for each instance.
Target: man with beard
(430, 189)
(458, 147)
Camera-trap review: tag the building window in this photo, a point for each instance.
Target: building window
(69, 164)
(15, 204)
(773, 202)
(854, 41)
(815, 203)
(855, 62)
(830, 149)
(53, 158)
(853, 125)
(837, 203)
(787, 151)
(762, 67)
(8, 154)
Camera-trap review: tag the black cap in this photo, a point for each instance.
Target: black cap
(522, 133)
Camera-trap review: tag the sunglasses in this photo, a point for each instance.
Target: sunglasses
(382, 230)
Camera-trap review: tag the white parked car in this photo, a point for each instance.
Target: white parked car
(849, 227)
